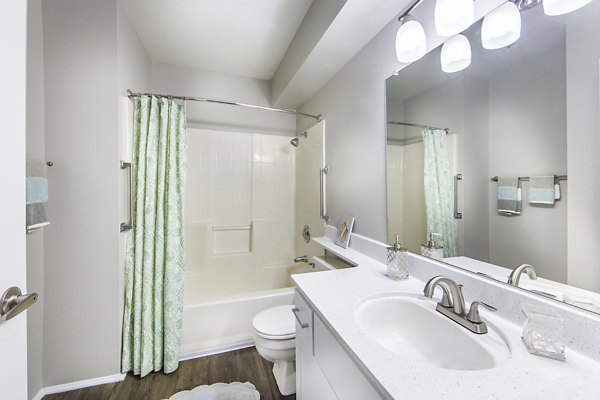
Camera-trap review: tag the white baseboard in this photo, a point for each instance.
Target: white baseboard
(66, 387)
(216, 350)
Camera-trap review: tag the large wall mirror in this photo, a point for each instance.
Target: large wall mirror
(497, 131)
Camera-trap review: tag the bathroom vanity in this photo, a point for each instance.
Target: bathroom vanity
(361, 335)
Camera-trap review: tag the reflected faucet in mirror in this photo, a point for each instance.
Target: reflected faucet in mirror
(515, 275)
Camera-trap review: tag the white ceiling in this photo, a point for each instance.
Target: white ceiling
(240, 37)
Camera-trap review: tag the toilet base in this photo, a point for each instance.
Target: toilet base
(285, 376)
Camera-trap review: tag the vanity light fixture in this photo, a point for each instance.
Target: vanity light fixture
(456, 54)
(560, 7)
(453, 16)
(501, 27)
(411, 43)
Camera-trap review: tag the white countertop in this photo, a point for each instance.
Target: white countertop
(336, 294)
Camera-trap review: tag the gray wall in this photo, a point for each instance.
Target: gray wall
(81, 308)
(133, 72)
(353, 104)
(473, 163)
(214, 85)
(583, 105)
(35, 150)
(92, 56)
(527, 134)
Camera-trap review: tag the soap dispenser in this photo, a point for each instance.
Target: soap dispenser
(431, 250)
(397, 261)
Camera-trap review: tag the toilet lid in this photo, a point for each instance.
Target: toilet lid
(275, 323)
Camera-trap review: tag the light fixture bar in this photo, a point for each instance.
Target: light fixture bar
(409, 9)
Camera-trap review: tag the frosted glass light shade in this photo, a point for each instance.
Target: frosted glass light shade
(411, 43)
(453, 16)
(456, 54)
(501, 27)
(559, 7)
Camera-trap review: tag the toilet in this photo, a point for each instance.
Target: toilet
(274, 333)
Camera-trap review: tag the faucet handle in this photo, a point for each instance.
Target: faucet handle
(473, 314)
(446, 300)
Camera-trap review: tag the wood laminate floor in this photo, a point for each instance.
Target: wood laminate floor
(244, 365)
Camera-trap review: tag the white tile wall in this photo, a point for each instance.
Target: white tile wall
(239, 179)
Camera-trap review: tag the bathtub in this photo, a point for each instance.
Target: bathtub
(224, 291)
(225, 324)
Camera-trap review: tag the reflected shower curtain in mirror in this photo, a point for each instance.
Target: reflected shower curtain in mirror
(154, 265)
(439, 190)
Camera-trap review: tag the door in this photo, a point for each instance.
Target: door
(13, 333)
(310, 158)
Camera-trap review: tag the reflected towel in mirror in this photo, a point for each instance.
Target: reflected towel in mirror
(541, 190)
(509, 196)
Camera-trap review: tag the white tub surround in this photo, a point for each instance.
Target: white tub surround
(334, 296)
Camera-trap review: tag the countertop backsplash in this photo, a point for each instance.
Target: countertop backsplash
(582, 328)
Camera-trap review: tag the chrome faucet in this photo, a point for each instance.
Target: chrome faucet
(452, 297)
(301, 259)
(515, 275)
(452, 304)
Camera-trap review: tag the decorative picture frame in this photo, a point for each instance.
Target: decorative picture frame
(344, 230)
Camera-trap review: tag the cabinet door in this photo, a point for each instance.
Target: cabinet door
(311, 384)
(344, 376)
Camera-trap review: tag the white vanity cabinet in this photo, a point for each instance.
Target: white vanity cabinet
(324, 371)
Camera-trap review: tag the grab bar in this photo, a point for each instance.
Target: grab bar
(232, 228)
(125, 226)
(457, 215)
(322, 198)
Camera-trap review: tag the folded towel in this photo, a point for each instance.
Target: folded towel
(556, 190)
(36, 195)
(509, 196)
(541, 190)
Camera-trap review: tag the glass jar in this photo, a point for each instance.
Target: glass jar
(544, 332)
(397, 261)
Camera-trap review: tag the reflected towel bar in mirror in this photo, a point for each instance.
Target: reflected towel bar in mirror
(526, 178)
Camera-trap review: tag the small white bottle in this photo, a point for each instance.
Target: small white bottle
(431, 250)
(397, 261)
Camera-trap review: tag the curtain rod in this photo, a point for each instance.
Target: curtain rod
(131, 94)
(419, 126)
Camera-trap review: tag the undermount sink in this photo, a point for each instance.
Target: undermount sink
(410, 326)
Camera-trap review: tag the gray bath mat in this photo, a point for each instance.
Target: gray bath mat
(219, 391)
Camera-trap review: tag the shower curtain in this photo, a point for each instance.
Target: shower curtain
(439, 191)
(154, 266)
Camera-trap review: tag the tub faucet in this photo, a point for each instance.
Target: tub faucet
(452, 304)
(515, 275)
(301, 259)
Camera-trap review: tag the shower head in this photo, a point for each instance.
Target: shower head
(296, 141)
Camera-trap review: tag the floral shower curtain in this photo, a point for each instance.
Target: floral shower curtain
(154, 267)
(439, 190)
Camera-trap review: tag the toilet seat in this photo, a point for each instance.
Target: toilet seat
(275, 323)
